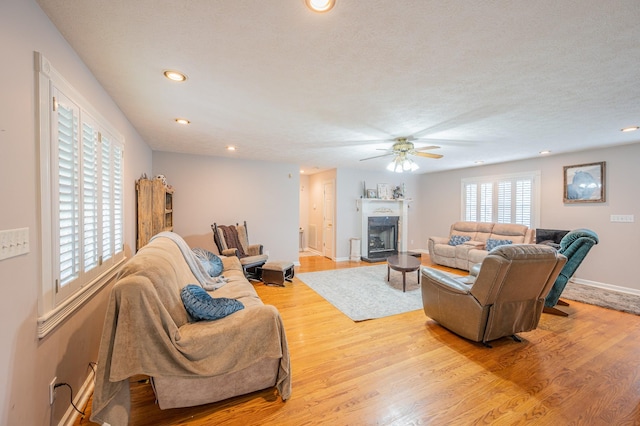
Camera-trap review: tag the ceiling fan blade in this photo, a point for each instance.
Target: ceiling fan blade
(378, 156)
(426, 154)
(426, 148)
(478, 114)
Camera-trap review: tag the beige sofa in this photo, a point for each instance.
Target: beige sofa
(465, 255)
(148, 331)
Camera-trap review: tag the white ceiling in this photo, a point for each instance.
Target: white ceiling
(485, 80)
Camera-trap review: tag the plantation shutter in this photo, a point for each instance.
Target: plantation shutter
(118, 225)
(486, 202)
(107, 226)
(504, 202)
(68, 190)
(90, 195)
(68, 184)
(524, 197)
(471, 202)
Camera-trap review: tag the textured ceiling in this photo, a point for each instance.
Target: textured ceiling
(492, 81)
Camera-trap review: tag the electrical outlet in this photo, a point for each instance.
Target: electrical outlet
(52, 390)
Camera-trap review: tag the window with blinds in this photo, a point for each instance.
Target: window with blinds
(502, 199)
(81, 160)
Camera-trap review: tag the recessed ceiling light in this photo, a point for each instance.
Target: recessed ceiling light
(320, 6)
(231, 148)
(479, 162)
(546, 151)
(182, 121)
(175, 75)
(301, 171)
(630, 129)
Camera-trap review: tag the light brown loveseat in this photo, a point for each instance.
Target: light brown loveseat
(465, 255)
(148, 331)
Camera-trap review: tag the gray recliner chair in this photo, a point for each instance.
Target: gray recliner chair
(506, 297)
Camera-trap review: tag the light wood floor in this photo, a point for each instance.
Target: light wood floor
(407, 370)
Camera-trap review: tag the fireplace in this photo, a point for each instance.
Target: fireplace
(383, 228)
(382, 237)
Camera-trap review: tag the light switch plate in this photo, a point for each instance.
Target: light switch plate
(14, 242)
(627, 218)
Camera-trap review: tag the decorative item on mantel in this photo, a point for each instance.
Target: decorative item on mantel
(398, 192)
(384, 192)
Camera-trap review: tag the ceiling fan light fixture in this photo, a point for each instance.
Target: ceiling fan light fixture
(320, 6)
(402, 164)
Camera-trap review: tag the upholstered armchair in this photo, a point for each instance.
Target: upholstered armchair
(574, 245)
(233, 240)
(506, 297)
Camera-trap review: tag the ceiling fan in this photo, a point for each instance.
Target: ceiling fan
(402, 148)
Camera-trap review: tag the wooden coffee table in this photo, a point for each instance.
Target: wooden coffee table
(403, 263)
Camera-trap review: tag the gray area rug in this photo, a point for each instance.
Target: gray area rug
(363, 293)
(610, 299)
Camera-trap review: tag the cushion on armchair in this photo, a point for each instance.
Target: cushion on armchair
(201, 306)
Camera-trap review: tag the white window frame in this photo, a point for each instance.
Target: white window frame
(56, 302)
(497, 213)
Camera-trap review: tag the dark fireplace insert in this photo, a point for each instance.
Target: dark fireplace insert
(382, 238)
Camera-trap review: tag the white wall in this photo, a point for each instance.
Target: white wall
(27, 364)
(226, 191)
(613, 260)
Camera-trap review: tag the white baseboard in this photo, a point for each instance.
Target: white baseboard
(81, 399)
(604, 286)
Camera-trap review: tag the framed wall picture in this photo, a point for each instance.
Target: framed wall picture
(384, 193)
(585, 183)
(371, 193)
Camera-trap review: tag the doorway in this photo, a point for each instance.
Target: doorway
(328, 217)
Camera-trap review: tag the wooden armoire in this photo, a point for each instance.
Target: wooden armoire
(155, 208)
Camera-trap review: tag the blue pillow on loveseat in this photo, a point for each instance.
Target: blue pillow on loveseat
(201, 306)
(491, 243)
(456, 240)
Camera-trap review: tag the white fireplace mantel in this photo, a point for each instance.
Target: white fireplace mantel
(376, 207)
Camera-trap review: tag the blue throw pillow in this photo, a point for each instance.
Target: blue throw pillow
(201, 306)
(491, 244)
(456, 240)
(212, 263)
